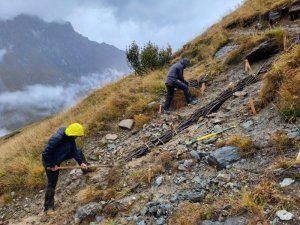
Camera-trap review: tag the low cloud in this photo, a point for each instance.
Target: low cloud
(2, 53)
(39, 101)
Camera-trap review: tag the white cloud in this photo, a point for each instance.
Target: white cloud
(3, 132)
(2, 53)
(38, 101)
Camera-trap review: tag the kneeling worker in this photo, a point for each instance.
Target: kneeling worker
(174, 80)
(61, 147)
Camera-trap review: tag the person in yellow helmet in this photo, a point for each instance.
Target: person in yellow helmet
(60, 147)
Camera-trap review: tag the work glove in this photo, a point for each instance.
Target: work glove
(55, 168)
(83, 166)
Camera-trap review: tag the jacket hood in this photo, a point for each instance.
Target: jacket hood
(184, 62)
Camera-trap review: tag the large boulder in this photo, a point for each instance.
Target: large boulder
(223, 157)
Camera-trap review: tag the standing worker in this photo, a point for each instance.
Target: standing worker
(174, 80)
(61, 147)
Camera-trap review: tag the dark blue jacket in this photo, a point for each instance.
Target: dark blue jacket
(60, 147)
(176, 71)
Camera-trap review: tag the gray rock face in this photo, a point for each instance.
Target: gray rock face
(90, 209)
(223, 157)
(126, 124)
(224, 50)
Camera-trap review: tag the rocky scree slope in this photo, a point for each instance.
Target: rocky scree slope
(259, 183)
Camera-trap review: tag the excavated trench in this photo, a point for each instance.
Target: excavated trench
(213, 106)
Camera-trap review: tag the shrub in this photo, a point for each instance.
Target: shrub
(140, 120)
(150, 57)
(281, 141)
(245, 145)
(89, 194)
(283, 82)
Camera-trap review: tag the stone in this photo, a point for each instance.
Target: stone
(181, 167)
(217, 128)
(286, 182)
(197, 179)
(181, 179)
(159, 180)
(152, 104)
(111, 137)
(142, 222)
(247, 124)
(240, 94)
(90, 209)
(224, 177)
(188, 163)
(99, 219)
(284, 215)
(75, 173)
(239, 220)
(111, 146)
(160, 221)
(195, 154)
(126, 124)
(194, 196)
(223, 157)
(124, 203)
(165, 127)
(216, 121)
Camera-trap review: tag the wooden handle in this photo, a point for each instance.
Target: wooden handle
(79, 167)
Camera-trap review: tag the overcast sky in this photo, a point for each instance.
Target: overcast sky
(119, 22)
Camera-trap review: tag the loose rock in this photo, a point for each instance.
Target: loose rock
(90, 209)
(284, 215)
(223, 157)
(126, 124)
(111, 137)
(286, 182)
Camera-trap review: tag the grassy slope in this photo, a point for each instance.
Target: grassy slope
(20, 167)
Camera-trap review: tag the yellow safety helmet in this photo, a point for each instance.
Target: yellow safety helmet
(75, 129)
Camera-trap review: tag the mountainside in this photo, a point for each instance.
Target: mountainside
(34, 51)
(243, 169)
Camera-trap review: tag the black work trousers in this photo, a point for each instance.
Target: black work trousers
(52, 181)
(170, 92)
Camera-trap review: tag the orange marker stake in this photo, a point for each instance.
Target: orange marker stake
(230, 85)
(159, 110)
(252, 105)
(203, 87)
(298, 157)
(248, 67)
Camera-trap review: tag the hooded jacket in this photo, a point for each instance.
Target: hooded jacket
(176, 71)
(60, 147)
